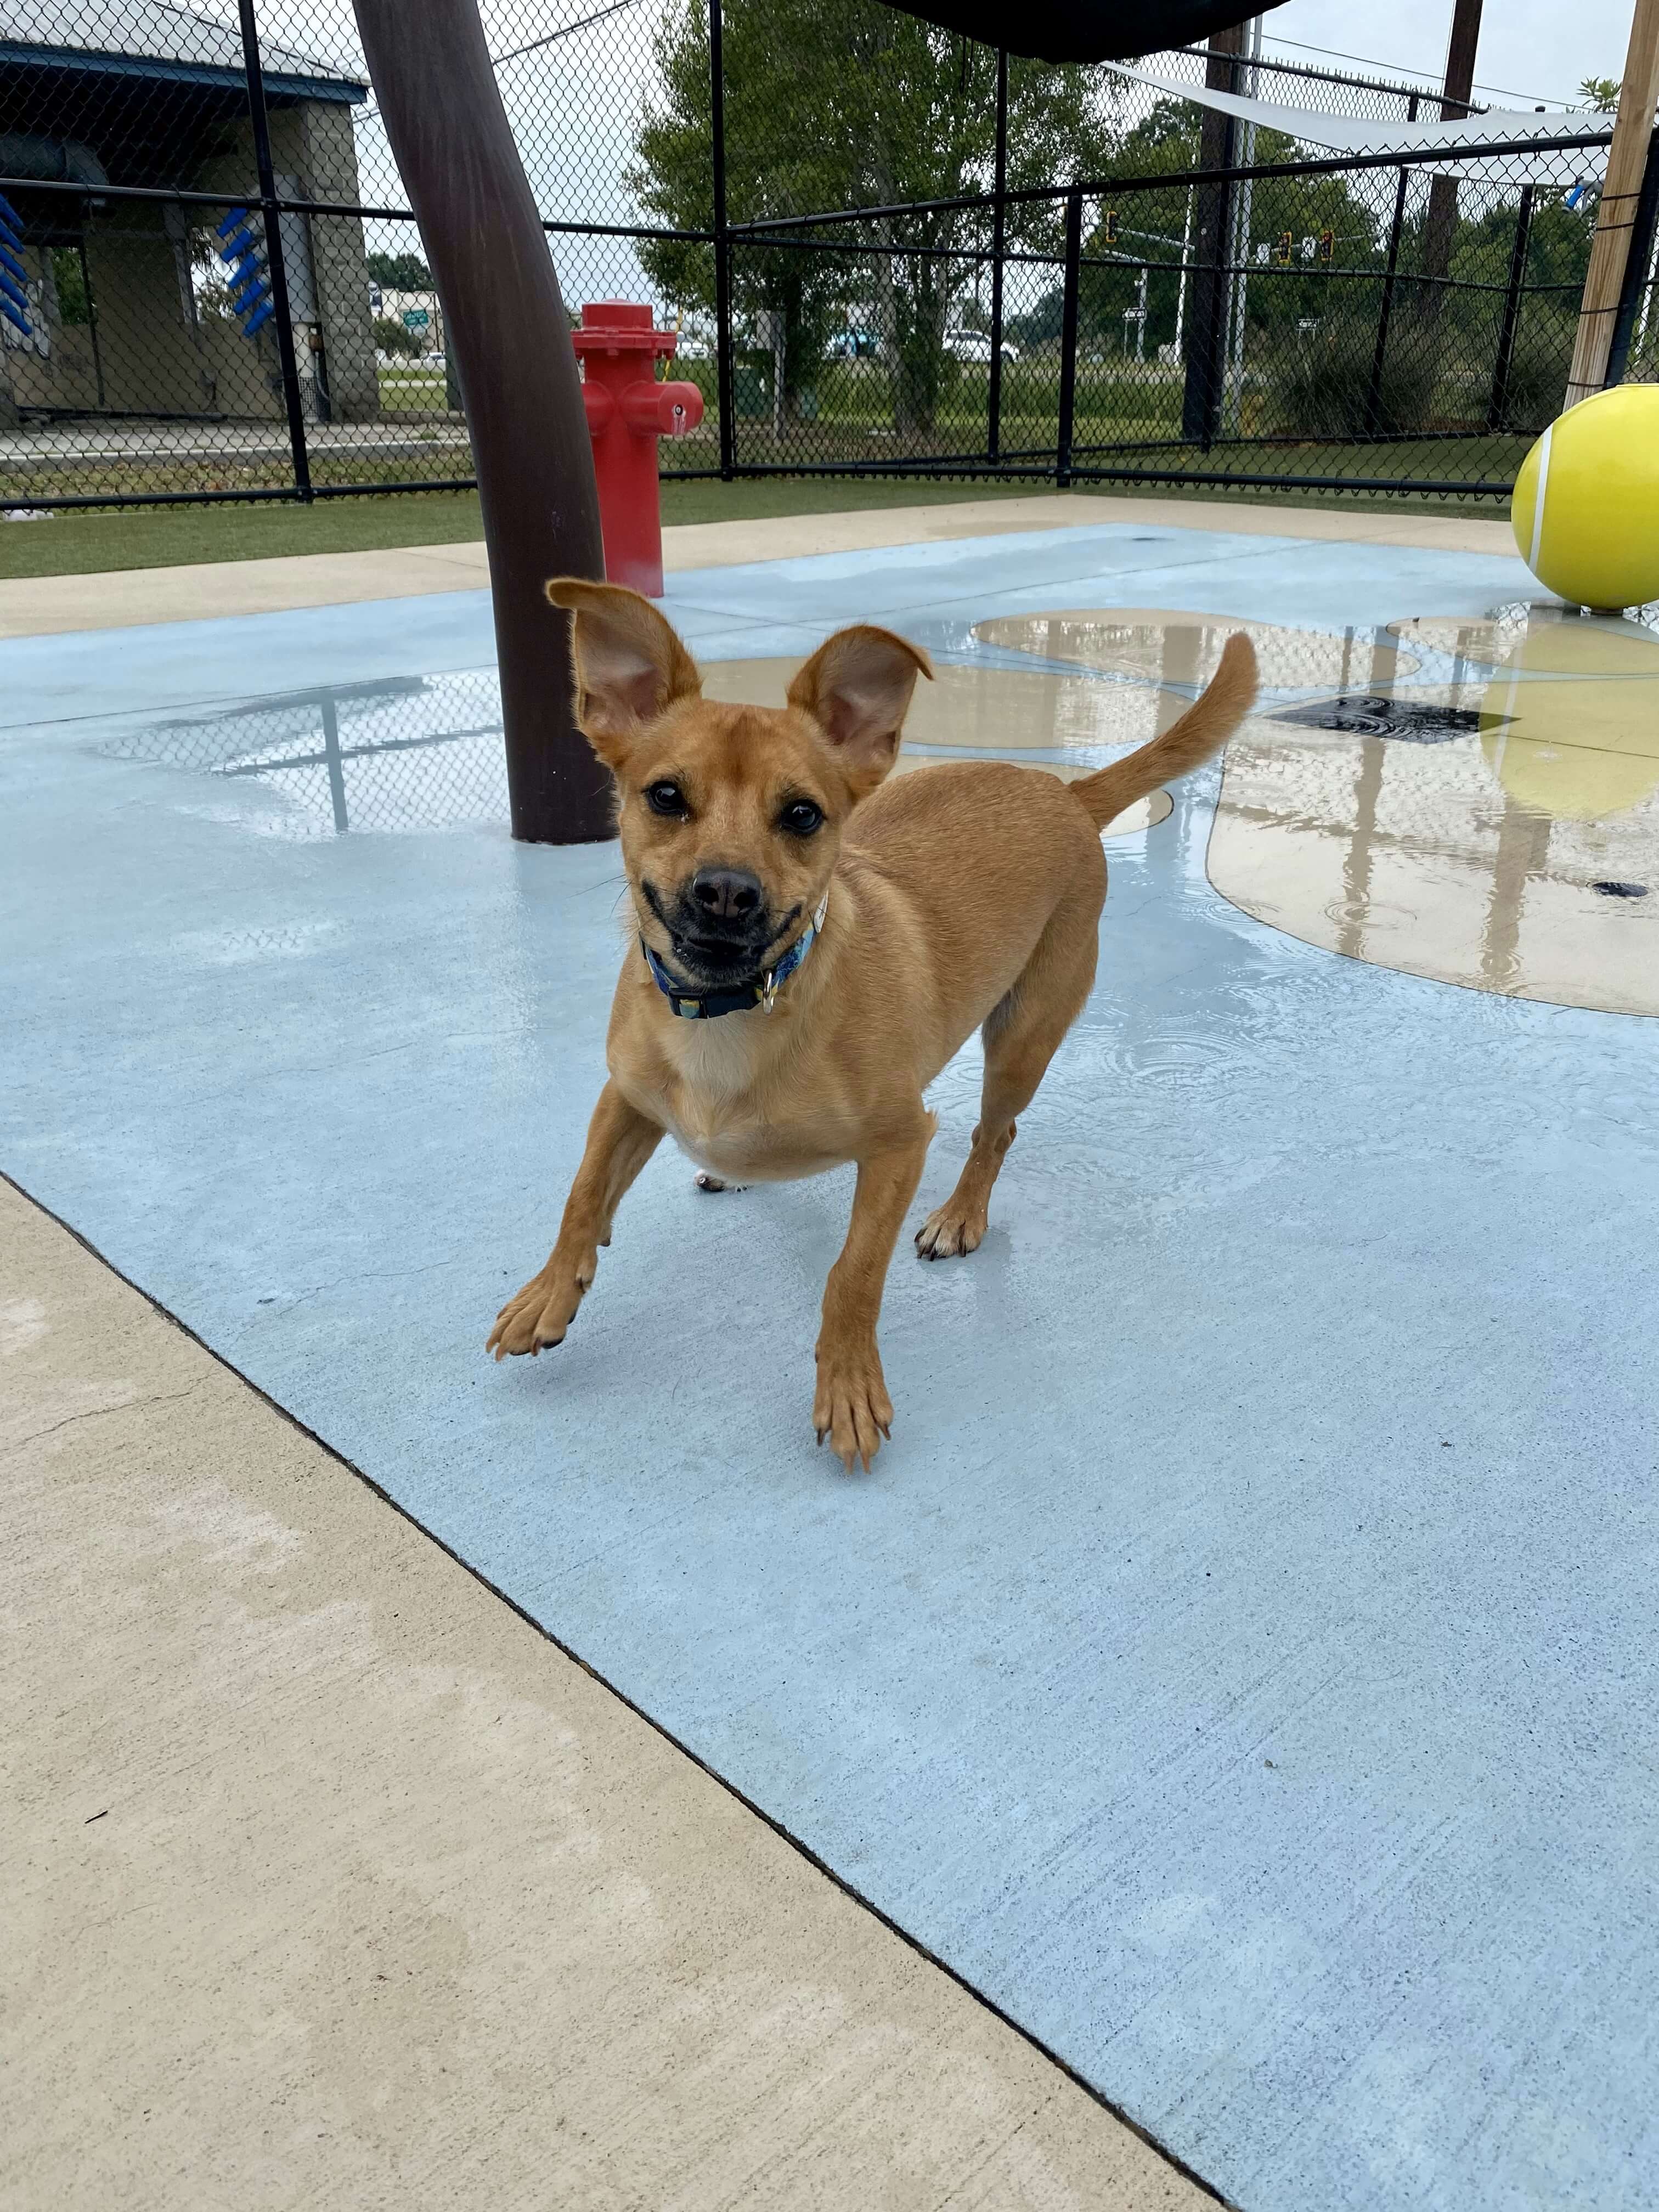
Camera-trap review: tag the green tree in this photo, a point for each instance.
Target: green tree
(1152, 224)
(832, 104)
(400, 272)
(69, 275)
(391, 336)
(1558, 256)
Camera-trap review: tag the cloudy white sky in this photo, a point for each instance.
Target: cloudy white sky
(1537, 48)
(1529, 51)
(1540, 49)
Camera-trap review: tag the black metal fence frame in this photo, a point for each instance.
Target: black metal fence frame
(1066, 465)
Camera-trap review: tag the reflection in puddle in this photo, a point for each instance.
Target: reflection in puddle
(1601, 644)
(398, 754)
(1583, 749)
(1504, 833)
(1005, 713)
(1496, 826)
(1415, 857)
(407, 753)
(1162, 646)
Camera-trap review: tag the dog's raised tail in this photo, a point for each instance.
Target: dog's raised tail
(1202, 730)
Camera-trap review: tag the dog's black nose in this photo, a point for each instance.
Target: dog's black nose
(727, 894)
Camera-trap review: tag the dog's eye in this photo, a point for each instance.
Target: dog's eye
(801, 817)
(664, 798)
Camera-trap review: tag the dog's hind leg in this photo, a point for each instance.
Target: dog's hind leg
(1022, 1033)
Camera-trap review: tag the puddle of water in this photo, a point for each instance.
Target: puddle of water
(1002, 713)
(1423, 858)
(1606, 644)
(401, 753)
(410, 753)
(1165, 646)
(1570, 720)
(1499, 830)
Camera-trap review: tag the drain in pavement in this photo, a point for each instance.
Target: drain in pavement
(1371, 715)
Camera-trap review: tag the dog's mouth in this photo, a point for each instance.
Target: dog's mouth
(705, 950)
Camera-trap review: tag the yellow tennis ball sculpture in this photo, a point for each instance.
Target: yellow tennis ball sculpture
(1586, 508)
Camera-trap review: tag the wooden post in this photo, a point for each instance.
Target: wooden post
(1610, 247)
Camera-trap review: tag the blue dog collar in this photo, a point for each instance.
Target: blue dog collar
(743, 997)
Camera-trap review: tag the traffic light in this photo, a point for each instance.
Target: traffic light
(1108, 227)
(1287, 249)
(1328, 247)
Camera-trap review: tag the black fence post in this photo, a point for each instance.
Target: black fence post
(723, 378)
(279, 301)
(1212, 273)
(1638, 265)
(1069, 341)
(1498, 406)
(998, 247)
(1385, 311)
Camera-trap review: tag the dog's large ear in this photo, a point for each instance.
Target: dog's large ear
(630, 665)
(857, 689)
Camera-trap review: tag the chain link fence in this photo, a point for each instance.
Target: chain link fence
(886, 249)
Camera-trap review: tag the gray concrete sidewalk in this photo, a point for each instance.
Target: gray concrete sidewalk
(40, 606)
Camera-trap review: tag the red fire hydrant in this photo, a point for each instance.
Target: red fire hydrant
(628, 411)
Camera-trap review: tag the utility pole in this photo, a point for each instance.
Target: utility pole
(1441, 221)
(1615, 214)
(1207, 329)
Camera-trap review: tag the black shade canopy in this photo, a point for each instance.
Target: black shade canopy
(1086, 30)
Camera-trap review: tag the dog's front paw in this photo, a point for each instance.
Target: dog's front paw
(951, 1229)
(851, 1407)
(545, 1308)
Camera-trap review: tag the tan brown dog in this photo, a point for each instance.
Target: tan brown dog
(860, 931)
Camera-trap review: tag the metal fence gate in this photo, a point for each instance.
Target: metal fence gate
(887, 251)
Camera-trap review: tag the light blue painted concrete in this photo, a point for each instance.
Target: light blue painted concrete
(779, 606)
(1242, 1667)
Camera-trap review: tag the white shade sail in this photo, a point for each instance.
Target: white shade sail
(1366, 134)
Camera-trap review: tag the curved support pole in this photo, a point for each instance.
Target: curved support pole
(509, 338)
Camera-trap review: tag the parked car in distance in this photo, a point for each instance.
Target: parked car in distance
(976, 345)
(853, 346)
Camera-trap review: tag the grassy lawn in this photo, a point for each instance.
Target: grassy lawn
(413, 390)
(86, 542)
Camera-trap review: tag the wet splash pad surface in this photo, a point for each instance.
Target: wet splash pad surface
(1242, 1667)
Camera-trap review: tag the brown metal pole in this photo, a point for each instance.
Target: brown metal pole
(1440, 225)
(506, 326)
(1615, 214)
(1212, 279)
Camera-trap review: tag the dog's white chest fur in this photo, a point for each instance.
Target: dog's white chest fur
(717, 1066)
(721, 1103)
(719, 1060)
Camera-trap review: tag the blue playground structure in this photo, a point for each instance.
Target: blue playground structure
(14, 278)
(250, 299)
